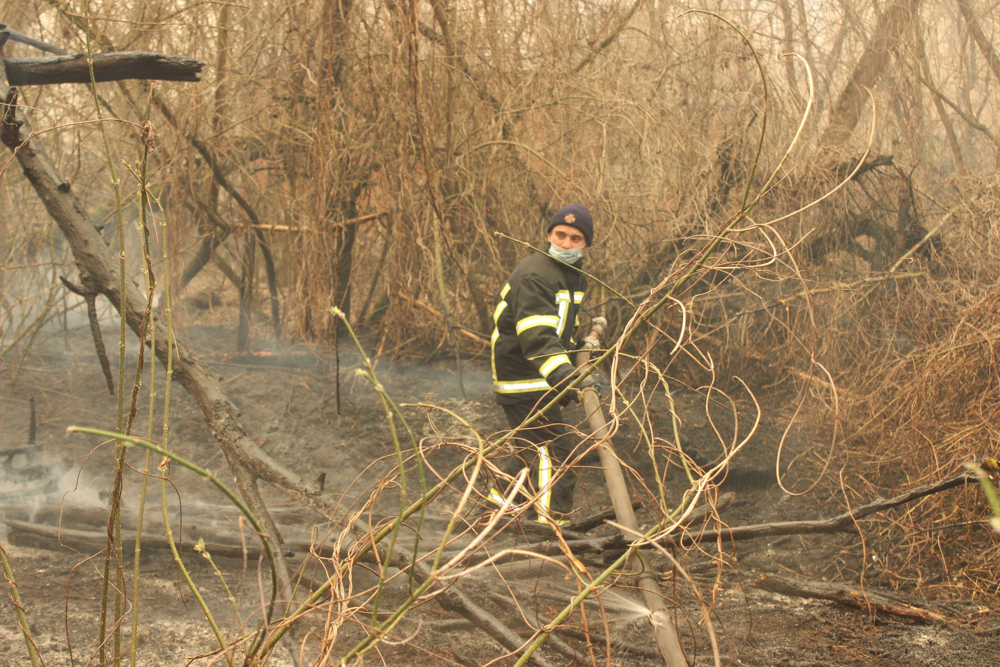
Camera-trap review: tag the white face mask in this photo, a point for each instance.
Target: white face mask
(568, 256)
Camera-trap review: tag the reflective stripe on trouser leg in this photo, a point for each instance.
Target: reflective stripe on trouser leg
(544, 481)
(498, 498)
(510, 468)
(558, 442)
(501, 501)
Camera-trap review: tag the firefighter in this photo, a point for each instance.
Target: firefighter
(534, 325)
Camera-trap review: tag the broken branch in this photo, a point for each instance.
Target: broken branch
(107, 67)
(90, 298)
(838, 524)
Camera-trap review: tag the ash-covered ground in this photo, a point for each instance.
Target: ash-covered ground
(289, 405)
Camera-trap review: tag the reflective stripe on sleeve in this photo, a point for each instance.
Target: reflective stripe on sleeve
(552, 363)
(564, 296)
(536, 321)
(520, 386)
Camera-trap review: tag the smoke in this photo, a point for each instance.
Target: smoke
(33, 295)
(420, 379)
(33, 482)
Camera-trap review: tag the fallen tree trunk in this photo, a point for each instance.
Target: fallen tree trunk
(583, 524)
(107, 67)
(45, 536)
(879, 602)
(551, 548)
(92, 541)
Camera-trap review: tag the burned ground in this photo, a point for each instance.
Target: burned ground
(289, 403)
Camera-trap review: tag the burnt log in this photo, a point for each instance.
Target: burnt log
(46, 536)
(92, 541)
(866, 600)
(107, 67)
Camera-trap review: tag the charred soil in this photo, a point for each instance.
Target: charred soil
(288, 399)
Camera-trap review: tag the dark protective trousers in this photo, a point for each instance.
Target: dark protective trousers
(543, 448)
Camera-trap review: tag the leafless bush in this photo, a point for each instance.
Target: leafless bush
(931, 405)
(363, 159)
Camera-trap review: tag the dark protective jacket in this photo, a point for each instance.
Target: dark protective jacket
(534, 324)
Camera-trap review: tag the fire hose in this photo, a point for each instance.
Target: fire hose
(660, 616)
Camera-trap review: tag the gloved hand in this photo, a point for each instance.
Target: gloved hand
(591, 381)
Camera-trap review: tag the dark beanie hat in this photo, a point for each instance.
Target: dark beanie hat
(576, 216)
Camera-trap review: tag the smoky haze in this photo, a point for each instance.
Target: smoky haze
(797, 217)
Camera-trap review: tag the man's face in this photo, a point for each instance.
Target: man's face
(566, 237)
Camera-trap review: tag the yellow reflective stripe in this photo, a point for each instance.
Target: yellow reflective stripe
(537, 321)
(499, 309)
(497, 498)
(493, 351)
(552, 362)
(503, 304)
(519, 386)
(544, 478)
(563, 308)
(563, 299)
(558, 522)
(564, 295)
(496, 329)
